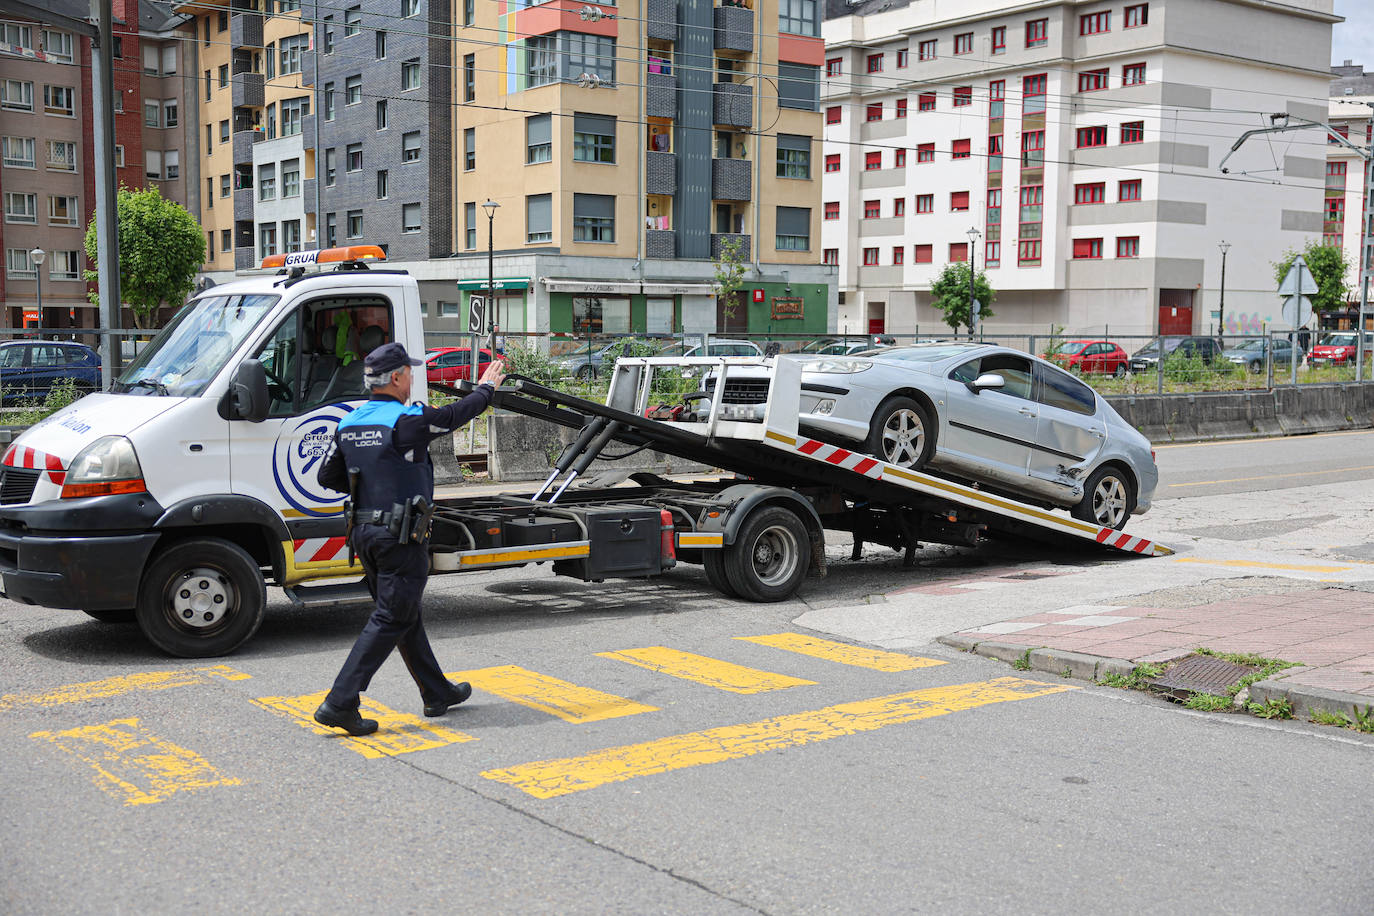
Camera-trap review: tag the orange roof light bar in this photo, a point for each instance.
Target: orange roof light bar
(324, 256)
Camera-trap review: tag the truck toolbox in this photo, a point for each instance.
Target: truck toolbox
(627, 539)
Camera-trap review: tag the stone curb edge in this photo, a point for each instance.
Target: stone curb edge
(1078, 665)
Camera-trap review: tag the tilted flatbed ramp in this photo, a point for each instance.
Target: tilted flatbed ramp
(773, 451)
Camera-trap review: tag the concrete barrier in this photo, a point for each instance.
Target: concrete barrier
(525, 448)
(1284, 411)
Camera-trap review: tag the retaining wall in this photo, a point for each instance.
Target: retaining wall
(1285, 411)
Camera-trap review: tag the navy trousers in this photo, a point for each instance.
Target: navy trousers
(396, 576)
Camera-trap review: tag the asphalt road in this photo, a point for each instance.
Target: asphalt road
(1257, 465)
(653, 747)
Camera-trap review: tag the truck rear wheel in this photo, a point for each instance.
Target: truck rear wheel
(770, 555)
(714, 564)
(201, 598)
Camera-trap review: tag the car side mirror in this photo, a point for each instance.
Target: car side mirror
(246, 397)
(986, 380)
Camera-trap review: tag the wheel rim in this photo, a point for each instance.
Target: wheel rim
(1109, 501)
(1120, 370)
(904, 436)
(200, 599)
(775, 555)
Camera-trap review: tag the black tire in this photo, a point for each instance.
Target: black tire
(770, 555)
(586, 372)
(1120, 371)
(1108, 498)
(1256, 367)
(118, 615)
(713, 562)
(201, 598)
(901, 433)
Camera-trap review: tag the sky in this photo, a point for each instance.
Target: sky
(1354, 38)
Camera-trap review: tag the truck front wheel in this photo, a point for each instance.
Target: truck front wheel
(770, 555)
(201, 598)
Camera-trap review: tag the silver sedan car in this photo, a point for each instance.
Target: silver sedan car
(986, 414)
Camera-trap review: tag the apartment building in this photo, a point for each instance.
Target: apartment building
(1078, 145)
(1348, 205)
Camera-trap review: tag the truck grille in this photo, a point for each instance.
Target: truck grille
(741, 391)
(16, 485)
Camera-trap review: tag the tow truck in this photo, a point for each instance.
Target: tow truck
(178, 496)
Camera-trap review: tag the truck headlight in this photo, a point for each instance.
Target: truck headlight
(105, 467)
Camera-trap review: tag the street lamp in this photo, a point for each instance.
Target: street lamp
(972, 234)
(39, 256)
(1225, 246)
(490, 206)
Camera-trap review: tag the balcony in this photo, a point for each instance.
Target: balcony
(717, 238)
(247, 89)
(660, 243)
(734, 29)
(308, 68)
(307, 131)
(661, 16)
(733, 105)
(660, 97)
(243, 204)
(660, 173)
(731, 179)
(243, 144)
(245, 29)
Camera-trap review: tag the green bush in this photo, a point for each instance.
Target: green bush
(62, 394)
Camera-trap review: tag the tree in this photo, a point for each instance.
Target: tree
(160, 249)
(1328, 265)
(730, 265)
(950, 290)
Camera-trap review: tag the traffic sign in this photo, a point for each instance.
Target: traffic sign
(1297, 311)
(477, 314)
(1299, 280)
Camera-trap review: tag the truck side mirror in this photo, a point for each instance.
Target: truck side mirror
(246, 397)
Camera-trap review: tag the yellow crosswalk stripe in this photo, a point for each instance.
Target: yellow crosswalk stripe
(397, 733)
(704, 670)
(568, 702)
(843, 653)
(133, 765)
(552, 778)
(115, 686)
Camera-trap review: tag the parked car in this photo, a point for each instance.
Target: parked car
(29, 368)
(839, 348)
(585, 361)
(716, 347)
(1101, 357)
(979, 412)
(1251, 354)
(1337, 348)
(1146, 359)
(447, 365)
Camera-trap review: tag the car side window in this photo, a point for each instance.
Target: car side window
(1015, 372)
(12, 357)
(47, 357)
(279, 357)
(1059, 389)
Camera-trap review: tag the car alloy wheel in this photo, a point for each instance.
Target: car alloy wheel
(901, 433)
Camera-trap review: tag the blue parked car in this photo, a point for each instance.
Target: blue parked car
(28, 368)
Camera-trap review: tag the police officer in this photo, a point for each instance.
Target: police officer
(384, 447)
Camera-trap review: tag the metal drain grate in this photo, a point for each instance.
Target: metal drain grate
(1200, 674)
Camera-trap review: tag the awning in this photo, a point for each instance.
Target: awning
(612, 287)
(500, 283)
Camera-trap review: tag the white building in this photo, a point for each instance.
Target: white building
(1351, 106)
(1082, 140)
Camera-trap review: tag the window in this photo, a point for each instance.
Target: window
(875, 63)
(21, 207)
(590, 54)
(469, 77)
(224, 131)
(59, 100)
(870, 257)
(469, 13)
(379, 51)
(832, 256)
(410, 146)
(1133, 132)
(832, 162)
(1032, 149)
(541, 60)
(958, 200)
(834, 67)
(960, 150)
(267, 239)
(1028, 252)
(353, 18)
(409, 8)
(470, 224)
(794, 229)
(267, 181)
(223, 20)
(798, 87)
(224, 186)
(19, 265)
(898, 255)
(958, 251)
(64, 265)
(874, 112)
(925, 203)
(354, 224)
(963, 43)
(1033, 94)
(331, 167)
(58, 48)
(1037, 33)
(538, 139)
(900, 107)
(62, 211)
(1132, 74)
(18, 152)
(1137, 15)
(226, 241)
(291, 178)
(19, 34)
(899, 159)
(353, 89)
(1128, 246)
(831, 210)
(353, 157)
(1093, 80)
(1095, 23)
(999, 40)
(925, 50)
(963, 95)
(593, 218)
(270, 57)
(832, 114)
(1087, 248)
(382, 114)
(61, 155)
(539, 218)
(289, 51)
(593, 138)
(119, 157)
(1091, 136)
(328, 35)
(794, 156)
(328, 101)
(902, 56)
(291, 235)
(171, 164)
(798, 17)
(1090, 193)
(873, 161)
(292, 110)
(1129, 190)
(383, 191)
(410, 75)
(922, 254)
(152, 114)
(925, 101)
(872, 209)
(925, 152)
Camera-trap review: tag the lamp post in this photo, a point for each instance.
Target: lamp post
(38, 255)
(1225, 246)
(972, 234)
(490, 206)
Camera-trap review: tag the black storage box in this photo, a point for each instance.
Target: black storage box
(625, 542)
(525, 531)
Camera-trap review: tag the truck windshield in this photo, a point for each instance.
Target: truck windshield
(194, 347)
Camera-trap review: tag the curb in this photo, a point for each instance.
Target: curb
(1303, 700)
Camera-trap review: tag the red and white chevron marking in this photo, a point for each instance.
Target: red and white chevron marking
(1113, 538)
(21, 456)
(833, 454)
(319, 550)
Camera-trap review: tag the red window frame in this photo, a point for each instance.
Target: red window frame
(958, 200)
(873, 160)
(963, 43)
(831, 256)
(1033, 87)
(963, 95)
(925, 152)
(1133, 74)
(1037, 33)
(958, 252)
(873, 209)
(997, 90)
(832, 209)
(1133, 132)
(1088, 137)
(1128, 190)
(1335, 168)
(833, 114)
(923, 254)
(1095, 23)
(960, 149)
(1128, 246)
(898, 255)
(1094, 80)
(992, 255)
(999, 40)
(832, 162)
(899, 206)
(874, 112)
(875, 63)
(899, 158)
(1087, 249)
(925, 101)
(834, 66)
(1028, 251)
(899, 109)
(902, 56)
(1090, 192)
(1032, 141)
(925, 203)
(870, 257)
(1136, 15)
(927, 49)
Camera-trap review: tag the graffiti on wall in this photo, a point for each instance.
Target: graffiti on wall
(1246, 323)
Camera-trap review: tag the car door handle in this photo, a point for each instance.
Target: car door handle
(1025, 411)
(1096, 433)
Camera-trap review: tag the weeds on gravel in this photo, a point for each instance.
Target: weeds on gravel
(1271, 709)
(1022, 663)
(1363, 721)
(1207, 702)
(1133, 681)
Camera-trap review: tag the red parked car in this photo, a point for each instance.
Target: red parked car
(1338, 348)
(447, 365)
(1101, 357)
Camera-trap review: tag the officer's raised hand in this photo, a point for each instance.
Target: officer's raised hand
(495, 372)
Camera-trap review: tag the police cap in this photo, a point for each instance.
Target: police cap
(388, 358)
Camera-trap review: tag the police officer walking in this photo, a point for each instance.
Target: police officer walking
(381, 459)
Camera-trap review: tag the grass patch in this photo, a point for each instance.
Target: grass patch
(1322, 717)
(1271, 709)
(1022, 663)
(1208, 702)
(1136, 680)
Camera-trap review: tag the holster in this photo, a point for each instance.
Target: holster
(410, 521)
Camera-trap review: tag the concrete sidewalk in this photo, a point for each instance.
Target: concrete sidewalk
(1328, 632)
